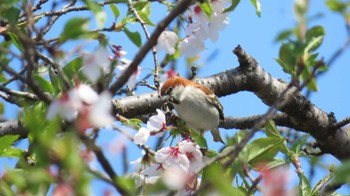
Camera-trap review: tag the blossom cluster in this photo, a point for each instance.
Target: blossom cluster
(84, 105)
(200, 27)
(175, 166)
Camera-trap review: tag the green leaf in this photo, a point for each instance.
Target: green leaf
(271, 129)
(15, 40)
(206, 7)
(287, 57)
(12, 152)
(263, 150)
(214, 177)
(314, 38)
(115, 11)
(72, 68)
(298, 145)
(11, 13)
(283, 35)
(337, 6)
(100, 15)
(75, 28)
(133, 123)
(2, 108)
(55, 81)
(145, 19)
(304, 185)
(6, 142)
(45, 85)
(135, 37)
(200, 140)
(257, 6)
(143, 6)
(277, 162)
(233, 5)
(341, 174)
(128, 184)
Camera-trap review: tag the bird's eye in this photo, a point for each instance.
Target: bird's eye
(170, 89)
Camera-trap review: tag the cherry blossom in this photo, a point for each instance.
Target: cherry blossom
(122, 65)
(175, 178)
(217, 23)
(63, 189)
(167, 41)
(96, 63)
(275, 181)
(191, 46)
(168, 74)
(157, 124)
(118, 52)
(198, 30)
(85, 105)
(141, 137)
(100, 113)
(64, 107)
(193, 153)
(172, 157)
(149, 175)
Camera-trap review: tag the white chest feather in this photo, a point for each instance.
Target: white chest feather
(195, 109)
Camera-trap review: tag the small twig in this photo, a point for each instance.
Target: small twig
(341, 123)
(145, 83)
(107, 167)
(154, 51)
(57, 68)
(15, 93)
(254, 182)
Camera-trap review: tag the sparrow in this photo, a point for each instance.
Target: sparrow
(195, 104)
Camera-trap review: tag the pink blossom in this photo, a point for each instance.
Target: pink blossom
(167, 41)
(168, 74)
(95, 64)
(275, 181)
(141, 137)
(64, 107)
(85, 105)
(157, 124)
(193, 153)
(63, 189)
(172, 157)
(198, 14)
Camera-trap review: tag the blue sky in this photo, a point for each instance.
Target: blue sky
(256, 35)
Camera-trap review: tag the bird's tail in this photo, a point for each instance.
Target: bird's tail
(217, 136)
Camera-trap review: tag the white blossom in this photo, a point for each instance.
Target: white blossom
(191, 46)
(64, 107)
(141, 137)
(167, 41)
(121, 66)
(100, 113)
(174, 178)
(157, 123)
(95, 64)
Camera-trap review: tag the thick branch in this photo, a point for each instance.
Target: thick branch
(249, 76)
(297, 113)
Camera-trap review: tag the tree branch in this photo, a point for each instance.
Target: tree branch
(180, 7)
